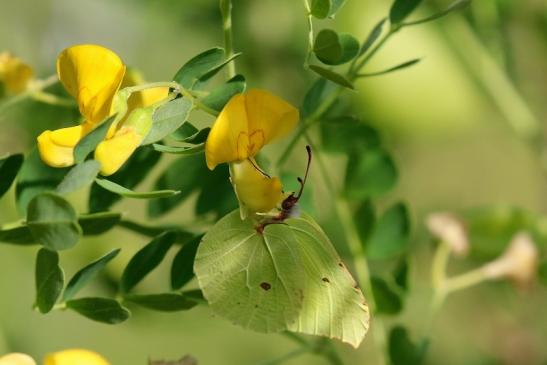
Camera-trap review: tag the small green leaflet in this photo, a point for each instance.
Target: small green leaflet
(16, 233)
(180, 150)
(222, 94)
(456, 5)
(288, 278)
(49, 279)
(98, 223)
(53, 222)
(332, 76)
(103, 310)
(202, 67)
(92, 139)
(390, 235)
(392, 69)
(333, 48)
(120, 190)
(9, 167)
(168, 118)
(372, 37)
(403, 351)
(165, 302)
(79, 176)
(182, 269)
(370, 174)
(401, 9)
(82, 277)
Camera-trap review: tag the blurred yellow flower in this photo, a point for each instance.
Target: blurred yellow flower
(92, 75)
(14, 73)
(247, 123)
(256, 191)
(16, 359)
(75, 357)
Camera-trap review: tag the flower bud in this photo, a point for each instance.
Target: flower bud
(14, 73)
(16, 359)
(450, 230)
(75, 357)
(519, 261)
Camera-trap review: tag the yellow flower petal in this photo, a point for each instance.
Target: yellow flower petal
(75, 357)
(56, 147)
(16, 359)
(92, 74)
(246, 124)
(112, 153)
(14, 74)
(257, 192)
(145, 97)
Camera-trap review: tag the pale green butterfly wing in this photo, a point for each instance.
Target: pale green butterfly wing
(288, 278)
(250, 281)
(333, 305)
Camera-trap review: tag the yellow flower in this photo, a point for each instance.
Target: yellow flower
(247, 123)
(92, 75)
(16, 359)
(14, 73)
(75, 357)
(255, 191)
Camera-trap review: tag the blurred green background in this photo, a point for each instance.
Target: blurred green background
(456, 123)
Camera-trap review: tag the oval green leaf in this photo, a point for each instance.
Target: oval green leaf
(98, 223)
(82, 277)
(146, 260)
(401, 9)
(168, 118)
(222, 94)
(103, 310)
(182, 269)
(180, 150)
(370, 174)
(9, 167)
(391, 234)
(120, 190)
(332, 76)
(53, 222)
(165, 302)
(49, 278)
(79, 176)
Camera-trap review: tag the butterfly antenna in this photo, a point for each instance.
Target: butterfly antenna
(303, 182)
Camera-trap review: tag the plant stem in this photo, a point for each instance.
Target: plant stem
(35, 87)
(310, 32)
(226, 11)
(438, 266)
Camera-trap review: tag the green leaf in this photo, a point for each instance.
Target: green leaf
(168, 118)
(335, 7)
(456, 5)
(392, 69)
(281, 279)
(129, 176)
(35, 177)
(180, 150)
(120, 190)
(327, 47)
(49, 279)
(185, 131)
(370, 174)
(79, 176)
(153, 231)
(542, 272)
(167, 302)
(401, 9)
(387, 301)
(53, 222)
(365, 220)
(9, 167)
(82, 277)
(400, 274)
(372, 37)
(103, 310)
(402, 351)
(202, 67)
(98, 223)
(390, 235)
(182, 269)
(190, 174)
(222, 94)
(90, 141)
(347, 134)
(146, 260)
(320, 8)
(332, 48)
(17, 234)
(332, 76)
